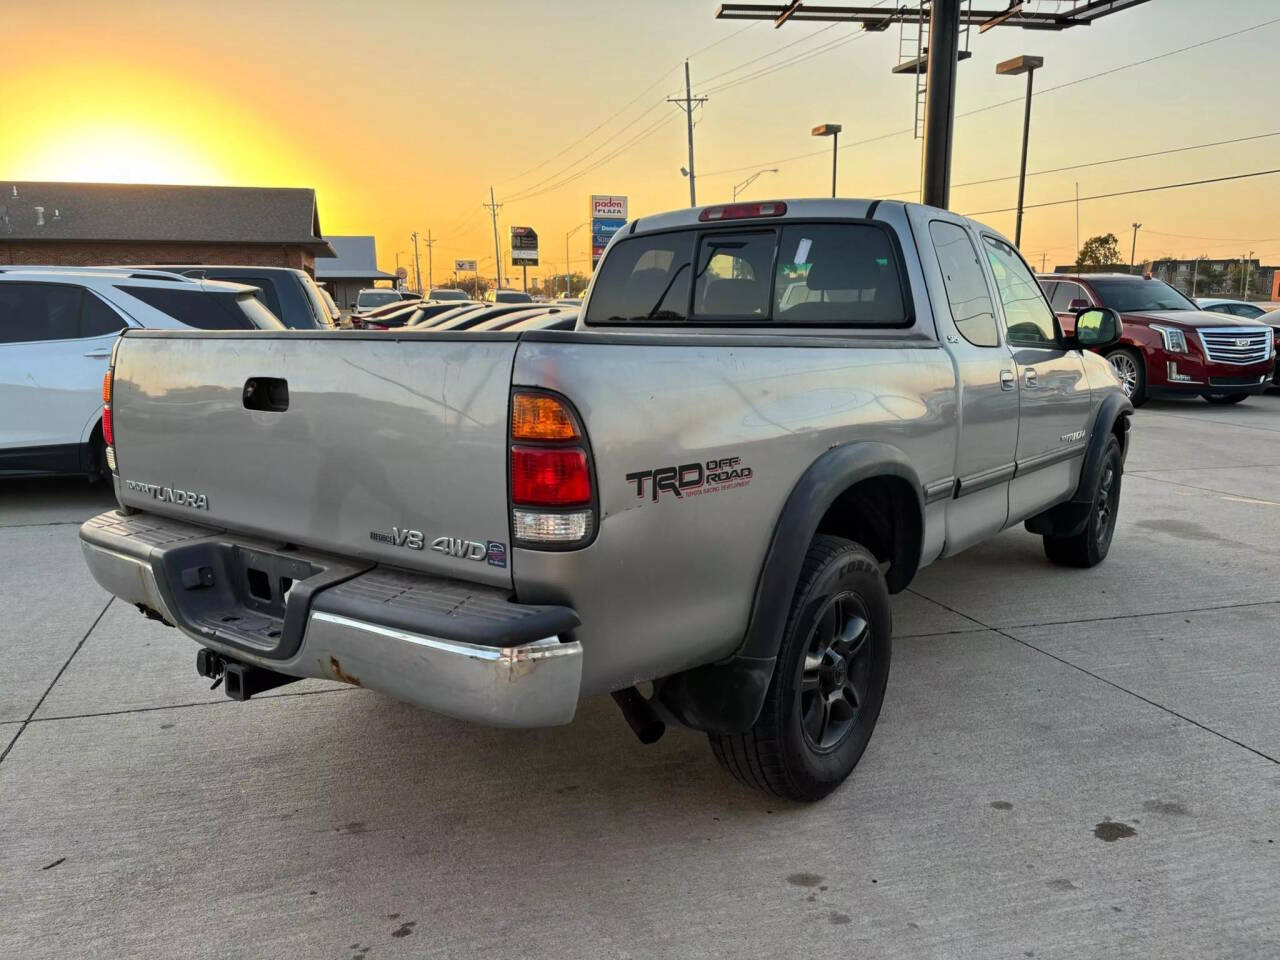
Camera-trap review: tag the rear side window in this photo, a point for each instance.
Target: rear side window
(265, 290)
(32, 312)
(837, 273)
(967, 293)
(803, 274)
(1061, 298)
(645, 279)
(200, 308)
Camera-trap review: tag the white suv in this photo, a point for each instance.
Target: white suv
(57, 328)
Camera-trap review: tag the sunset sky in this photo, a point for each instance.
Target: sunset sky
(402, 114)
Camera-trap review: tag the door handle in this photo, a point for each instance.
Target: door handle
(99, 356)
(1006, 380)
(1029, 376)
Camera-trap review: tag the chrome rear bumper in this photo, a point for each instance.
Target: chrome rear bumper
(455, 648)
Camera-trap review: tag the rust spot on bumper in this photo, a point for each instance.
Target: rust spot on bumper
(339, 674)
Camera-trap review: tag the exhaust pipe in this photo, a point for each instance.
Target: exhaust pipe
(642, 718)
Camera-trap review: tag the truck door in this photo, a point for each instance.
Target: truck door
(1053, 404)
(987, 387)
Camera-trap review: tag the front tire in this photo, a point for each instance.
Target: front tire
(1131, 369)
(1090, 546)
(1222, 399)
(828, 681)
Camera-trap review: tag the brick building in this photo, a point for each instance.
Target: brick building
(84, 224)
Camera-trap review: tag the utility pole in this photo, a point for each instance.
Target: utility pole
(687, 104)
(417, 262)
(1043, 258)
(431, 282)
(1195, 276)
(1133, 250)
(940, 101)
(494, 207)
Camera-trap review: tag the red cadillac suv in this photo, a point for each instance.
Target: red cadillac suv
(1169, 345)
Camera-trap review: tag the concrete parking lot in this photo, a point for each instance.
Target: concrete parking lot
(1069, 764)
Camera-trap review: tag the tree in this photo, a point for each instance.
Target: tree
(1099, 253)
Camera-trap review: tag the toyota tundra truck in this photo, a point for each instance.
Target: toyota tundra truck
(769, 417)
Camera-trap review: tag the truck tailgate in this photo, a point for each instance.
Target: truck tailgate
(387, 448)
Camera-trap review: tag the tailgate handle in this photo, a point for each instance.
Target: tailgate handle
(266, 393)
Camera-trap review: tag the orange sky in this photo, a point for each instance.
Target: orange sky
(402, 114)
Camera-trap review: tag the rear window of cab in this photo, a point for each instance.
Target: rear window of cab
(796, 274)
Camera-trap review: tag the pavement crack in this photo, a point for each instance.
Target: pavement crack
(51, 523)
(58, 676)
(184, 706)
(1192, 486)
(1111, 683)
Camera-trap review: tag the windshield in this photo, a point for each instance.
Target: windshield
(376, 298)
(439, 294)
(1126, 294)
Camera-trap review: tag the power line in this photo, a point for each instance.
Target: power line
(627, 106)
(1001, 103)
(1099, 163)
(1129, 193)
(772, 53)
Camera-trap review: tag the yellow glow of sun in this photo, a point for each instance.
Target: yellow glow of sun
(111, 152)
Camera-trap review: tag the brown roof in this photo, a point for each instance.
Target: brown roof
(144, 212)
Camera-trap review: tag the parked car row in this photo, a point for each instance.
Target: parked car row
(1171, 344)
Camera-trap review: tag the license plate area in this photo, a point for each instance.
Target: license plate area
(246, 596)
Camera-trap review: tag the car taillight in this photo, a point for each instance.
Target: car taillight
(108, 429)
(552, 497)
(369, 325)
(742, 211)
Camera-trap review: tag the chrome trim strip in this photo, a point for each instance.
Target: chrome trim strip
(987, 478)
(942, 489)
(1049, 458)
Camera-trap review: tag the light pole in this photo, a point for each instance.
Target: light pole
(1011, 68)
(417, 262)
(1133, 250)
(737, 187)
(1244, 276)
(831, 130)
(567, 291)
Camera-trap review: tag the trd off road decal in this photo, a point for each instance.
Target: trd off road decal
(691, 479)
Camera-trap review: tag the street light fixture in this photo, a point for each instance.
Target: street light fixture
(1011, 68)
(738, 187)
(831, 130)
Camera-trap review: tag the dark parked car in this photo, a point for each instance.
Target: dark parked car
(288, 293)
(447, 293)
(471, 318)
(518, 319)
(1169, 345)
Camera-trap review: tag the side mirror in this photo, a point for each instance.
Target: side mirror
(1097, 327)
(1078, 304)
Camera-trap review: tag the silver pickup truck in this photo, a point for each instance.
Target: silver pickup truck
(769, 417)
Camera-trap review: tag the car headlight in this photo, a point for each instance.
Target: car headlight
(1175, 340)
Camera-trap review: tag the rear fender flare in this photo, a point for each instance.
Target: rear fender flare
(726, 696)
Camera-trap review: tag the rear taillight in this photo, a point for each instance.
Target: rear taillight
(370, 325)
(742, 211)
(552, 495)
(108, 428)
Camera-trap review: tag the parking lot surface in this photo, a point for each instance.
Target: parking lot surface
(1069, 764)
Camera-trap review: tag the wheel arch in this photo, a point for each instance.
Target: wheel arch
(862, 491)
(1068, 518)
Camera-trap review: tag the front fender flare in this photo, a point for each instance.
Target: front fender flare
(726, 696)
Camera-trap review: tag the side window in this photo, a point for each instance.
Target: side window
(971, 306)
(196, 308)
(732, 279)
(1066, 292)
(32, 312)
(97, 319)
(264, 290)
(645, 278)
(1028, 318)
(1050, 288)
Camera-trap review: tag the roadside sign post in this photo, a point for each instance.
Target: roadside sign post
(608, 216)
(524, 251)
(472, 266)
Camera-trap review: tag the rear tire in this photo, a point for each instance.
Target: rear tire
(1131, 368)
(1222, 399)
(828, 682)
(1089, 547)
(99, 472)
